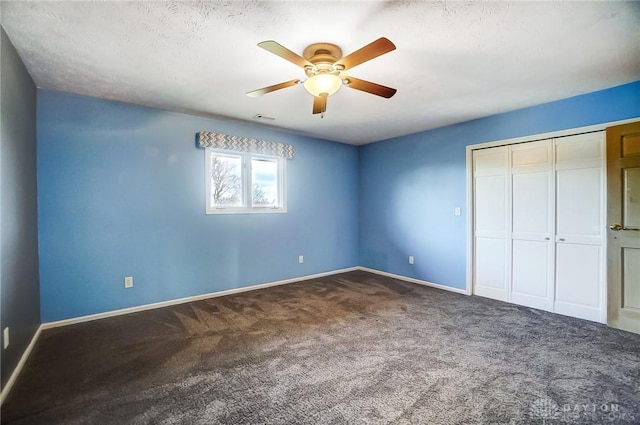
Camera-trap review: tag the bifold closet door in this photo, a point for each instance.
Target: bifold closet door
(580, 289)
(491, 238)
(532, 224)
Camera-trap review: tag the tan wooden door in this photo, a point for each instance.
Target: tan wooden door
(623, 215)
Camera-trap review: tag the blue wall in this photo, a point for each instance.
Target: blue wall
(121, 193)
(19, 284)
(409, 186)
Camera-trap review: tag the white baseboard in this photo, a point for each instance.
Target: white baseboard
(73, 320)
(418, 281)
(19, 366)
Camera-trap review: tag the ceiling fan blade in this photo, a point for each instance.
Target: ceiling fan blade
(320, 104)
(368, 52)
(278, 49)
(369, 87)
(265, 90)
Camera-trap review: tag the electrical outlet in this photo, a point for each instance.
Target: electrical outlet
(411, 259)
(456, 211)
(5, 337)
(300, 259)
(128, 282)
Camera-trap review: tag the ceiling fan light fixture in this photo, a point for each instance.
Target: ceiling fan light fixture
(324, 65)
(323, 83)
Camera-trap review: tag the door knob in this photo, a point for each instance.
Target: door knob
(615, 227)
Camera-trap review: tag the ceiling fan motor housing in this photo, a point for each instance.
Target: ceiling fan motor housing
(322, 56)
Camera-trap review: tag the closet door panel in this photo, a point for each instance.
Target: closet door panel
(578, 288)
(490, 205)
(579, 214)
(531, 274)
(531, 209)
(531, 204)
(579, 151)
(579, 283)
(491, 223)
(490, 268)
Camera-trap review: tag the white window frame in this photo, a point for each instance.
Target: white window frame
(247, 183)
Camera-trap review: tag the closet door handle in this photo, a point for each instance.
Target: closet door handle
(547, 238)
(561, 239)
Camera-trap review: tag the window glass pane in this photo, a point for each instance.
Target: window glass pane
(226, 181)
(264, 181)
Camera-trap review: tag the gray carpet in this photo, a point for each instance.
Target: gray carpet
(354, 348)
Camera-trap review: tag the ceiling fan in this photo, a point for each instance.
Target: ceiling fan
(324, 65)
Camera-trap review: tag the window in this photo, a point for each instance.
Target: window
(239, 182)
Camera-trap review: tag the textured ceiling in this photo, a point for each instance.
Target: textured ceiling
(454, 61)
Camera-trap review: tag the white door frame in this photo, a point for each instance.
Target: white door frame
(522, 139)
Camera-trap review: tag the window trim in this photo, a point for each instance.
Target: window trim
(247, 184)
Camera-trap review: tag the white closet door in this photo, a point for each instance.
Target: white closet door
(491, 264)
(580, 287)
(532, 224)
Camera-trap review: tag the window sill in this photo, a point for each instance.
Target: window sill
(216, 211)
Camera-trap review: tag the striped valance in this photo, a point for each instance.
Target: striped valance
(208, 139)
